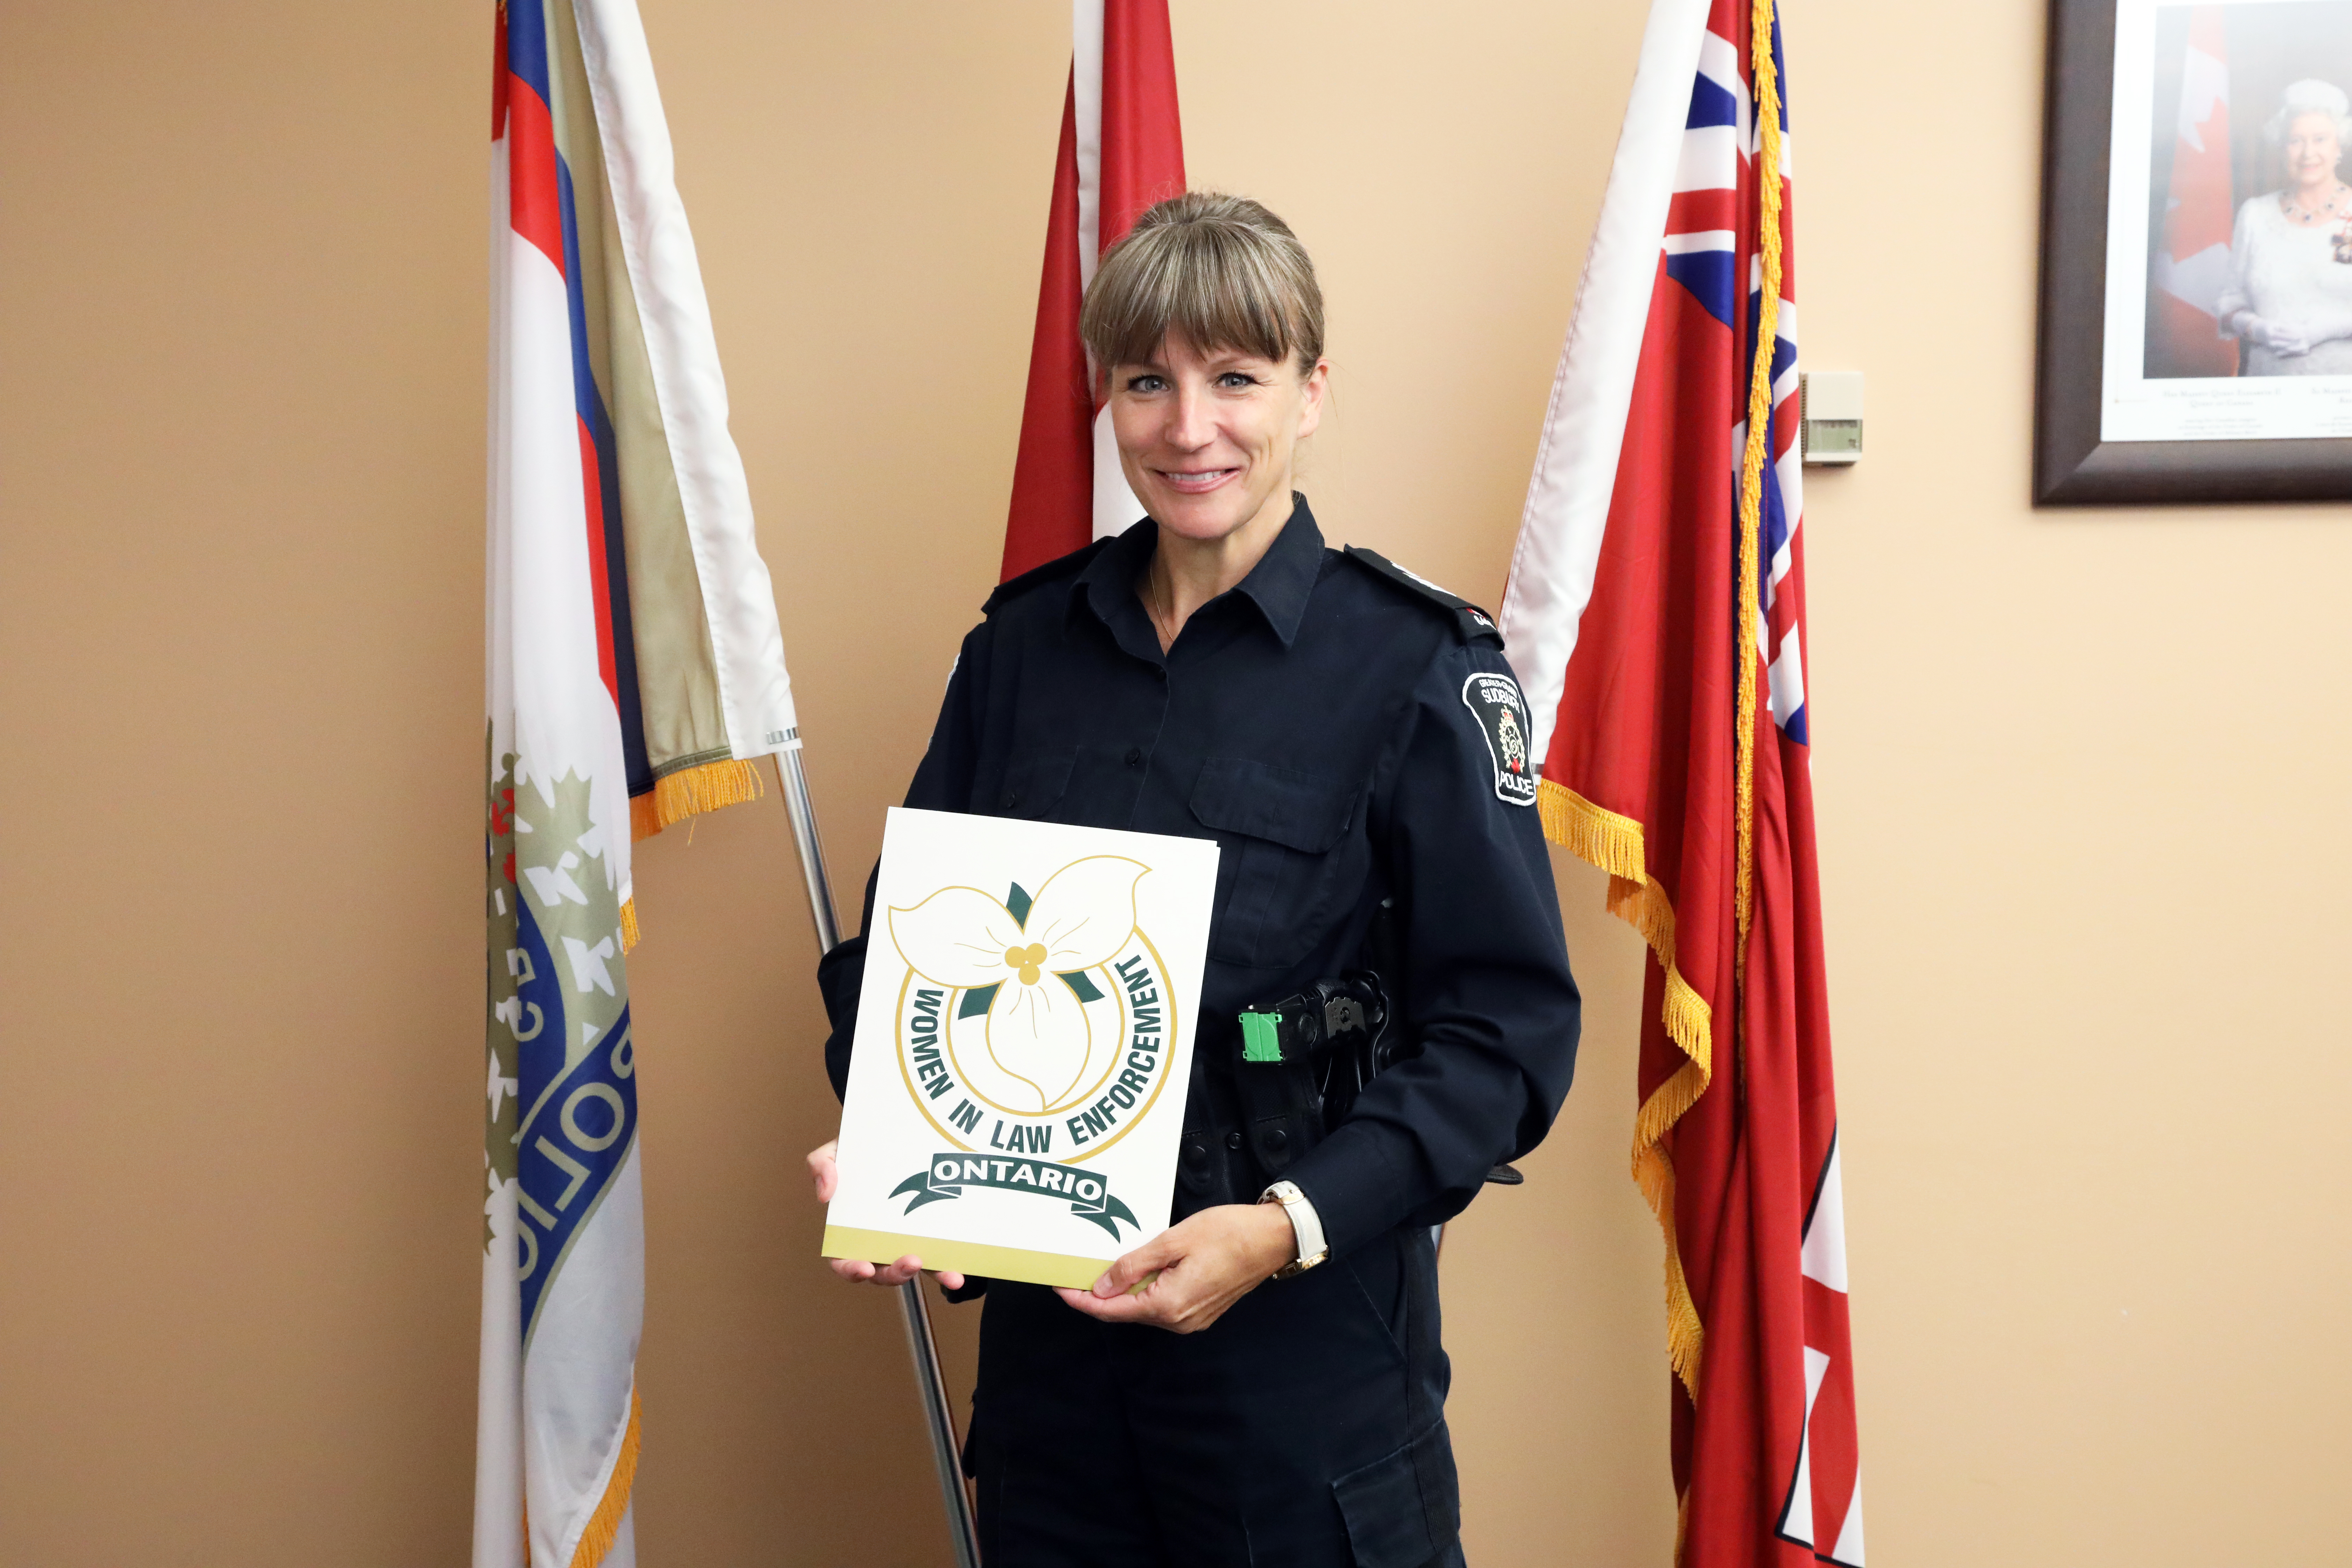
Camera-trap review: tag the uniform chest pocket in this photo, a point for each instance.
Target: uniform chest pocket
(1033, 785)
(1285, 836)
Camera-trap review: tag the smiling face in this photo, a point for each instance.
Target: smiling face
(1209, 440)
(2311, 150)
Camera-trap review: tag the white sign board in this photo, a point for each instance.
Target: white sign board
(1024, 1046)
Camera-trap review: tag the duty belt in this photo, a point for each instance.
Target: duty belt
(1298, 1065)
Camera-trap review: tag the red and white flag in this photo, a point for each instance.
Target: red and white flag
(1655, 613)
(1122, 149)
(2193, 268)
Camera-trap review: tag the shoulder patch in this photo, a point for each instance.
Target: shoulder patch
(1061, 566)
(1502, 714)
(1471, 623)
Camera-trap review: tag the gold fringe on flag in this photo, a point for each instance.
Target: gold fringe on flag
(605, 1524)
(689, 791)
(1614, 843)
(1751, 464)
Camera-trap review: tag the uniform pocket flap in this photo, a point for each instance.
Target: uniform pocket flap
(1033, 785)
(1282, 805)
(1403, 1510)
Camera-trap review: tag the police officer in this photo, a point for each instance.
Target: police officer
(1353, 740)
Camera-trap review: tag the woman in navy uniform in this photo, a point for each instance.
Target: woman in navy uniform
(1352, 737)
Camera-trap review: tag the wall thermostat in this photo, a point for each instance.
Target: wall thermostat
(1829, 415)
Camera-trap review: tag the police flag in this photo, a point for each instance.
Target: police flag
(634, 672)
(1122, 149)
(1656, 614)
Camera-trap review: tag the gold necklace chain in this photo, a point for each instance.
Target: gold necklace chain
(1162, 620)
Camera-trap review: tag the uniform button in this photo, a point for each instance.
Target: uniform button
(1135, 756)
(1012, 799)
(1276, 1139)
(1196, 1155)
(1234, 1141)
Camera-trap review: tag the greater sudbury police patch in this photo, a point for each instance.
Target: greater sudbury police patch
(1503, 715)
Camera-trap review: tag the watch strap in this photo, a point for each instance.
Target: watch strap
(1306, 1227)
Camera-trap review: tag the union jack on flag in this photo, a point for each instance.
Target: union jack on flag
(1655, 614)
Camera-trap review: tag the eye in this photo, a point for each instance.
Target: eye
(1236, 380)
(1147, 382)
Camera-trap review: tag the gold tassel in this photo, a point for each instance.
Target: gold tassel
(676, 796)
(689, 791)
(1614, 844)
(1591, 833)
(1747, 610)
(605, 1524)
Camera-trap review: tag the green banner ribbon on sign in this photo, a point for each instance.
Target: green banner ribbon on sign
(1088, 1195)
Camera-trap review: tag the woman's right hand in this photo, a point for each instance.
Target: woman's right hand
(824, 1171)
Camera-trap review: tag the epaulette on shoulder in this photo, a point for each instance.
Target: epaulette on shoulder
(1059, 568)
(1471, 623)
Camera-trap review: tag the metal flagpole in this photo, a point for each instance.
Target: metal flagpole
(929, 1384)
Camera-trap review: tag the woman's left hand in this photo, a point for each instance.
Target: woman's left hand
(1194, 1271)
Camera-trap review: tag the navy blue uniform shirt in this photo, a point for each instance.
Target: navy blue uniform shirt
(1346, 734)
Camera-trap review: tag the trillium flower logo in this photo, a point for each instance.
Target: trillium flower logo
(1024, 961)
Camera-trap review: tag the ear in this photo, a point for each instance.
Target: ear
(1312, 390)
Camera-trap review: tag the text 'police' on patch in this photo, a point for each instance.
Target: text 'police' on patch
(1502, 714)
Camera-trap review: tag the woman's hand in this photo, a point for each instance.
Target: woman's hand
(826, 1173)
(2287, 339)
(1191, 1273)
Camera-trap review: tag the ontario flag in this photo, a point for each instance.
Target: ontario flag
(1122, 149)
(634, 670)
(1655, 612)
(2192, 268)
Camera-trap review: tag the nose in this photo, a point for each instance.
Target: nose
(1190, 426)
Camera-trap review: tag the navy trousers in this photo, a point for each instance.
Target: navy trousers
(1306, 1428)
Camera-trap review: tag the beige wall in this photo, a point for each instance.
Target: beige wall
(2081, 780)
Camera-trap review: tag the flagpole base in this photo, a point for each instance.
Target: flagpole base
(955, 1500)
(963, 1531)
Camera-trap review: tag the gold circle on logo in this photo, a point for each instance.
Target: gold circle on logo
(1142, 1109)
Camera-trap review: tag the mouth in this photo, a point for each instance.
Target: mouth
(1194, 481)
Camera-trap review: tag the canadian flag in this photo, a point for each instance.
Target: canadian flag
(2193, 268)
(1122, 149)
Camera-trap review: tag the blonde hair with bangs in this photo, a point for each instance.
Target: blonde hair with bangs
(1219, 271)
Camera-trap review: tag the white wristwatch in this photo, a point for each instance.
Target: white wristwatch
(1305, 1224)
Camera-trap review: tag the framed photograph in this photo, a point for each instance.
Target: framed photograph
(2196, 332)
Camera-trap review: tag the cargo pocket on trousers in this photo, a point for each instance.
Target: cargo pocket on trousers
(1279, 828)
(1403, 1510)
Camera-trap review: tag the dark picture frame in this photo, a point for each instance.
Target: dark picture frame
(2072, 465)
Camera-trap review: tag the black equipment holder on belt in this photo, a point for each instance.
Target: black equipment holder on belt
(1303, 1059)
(1298, 1065)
